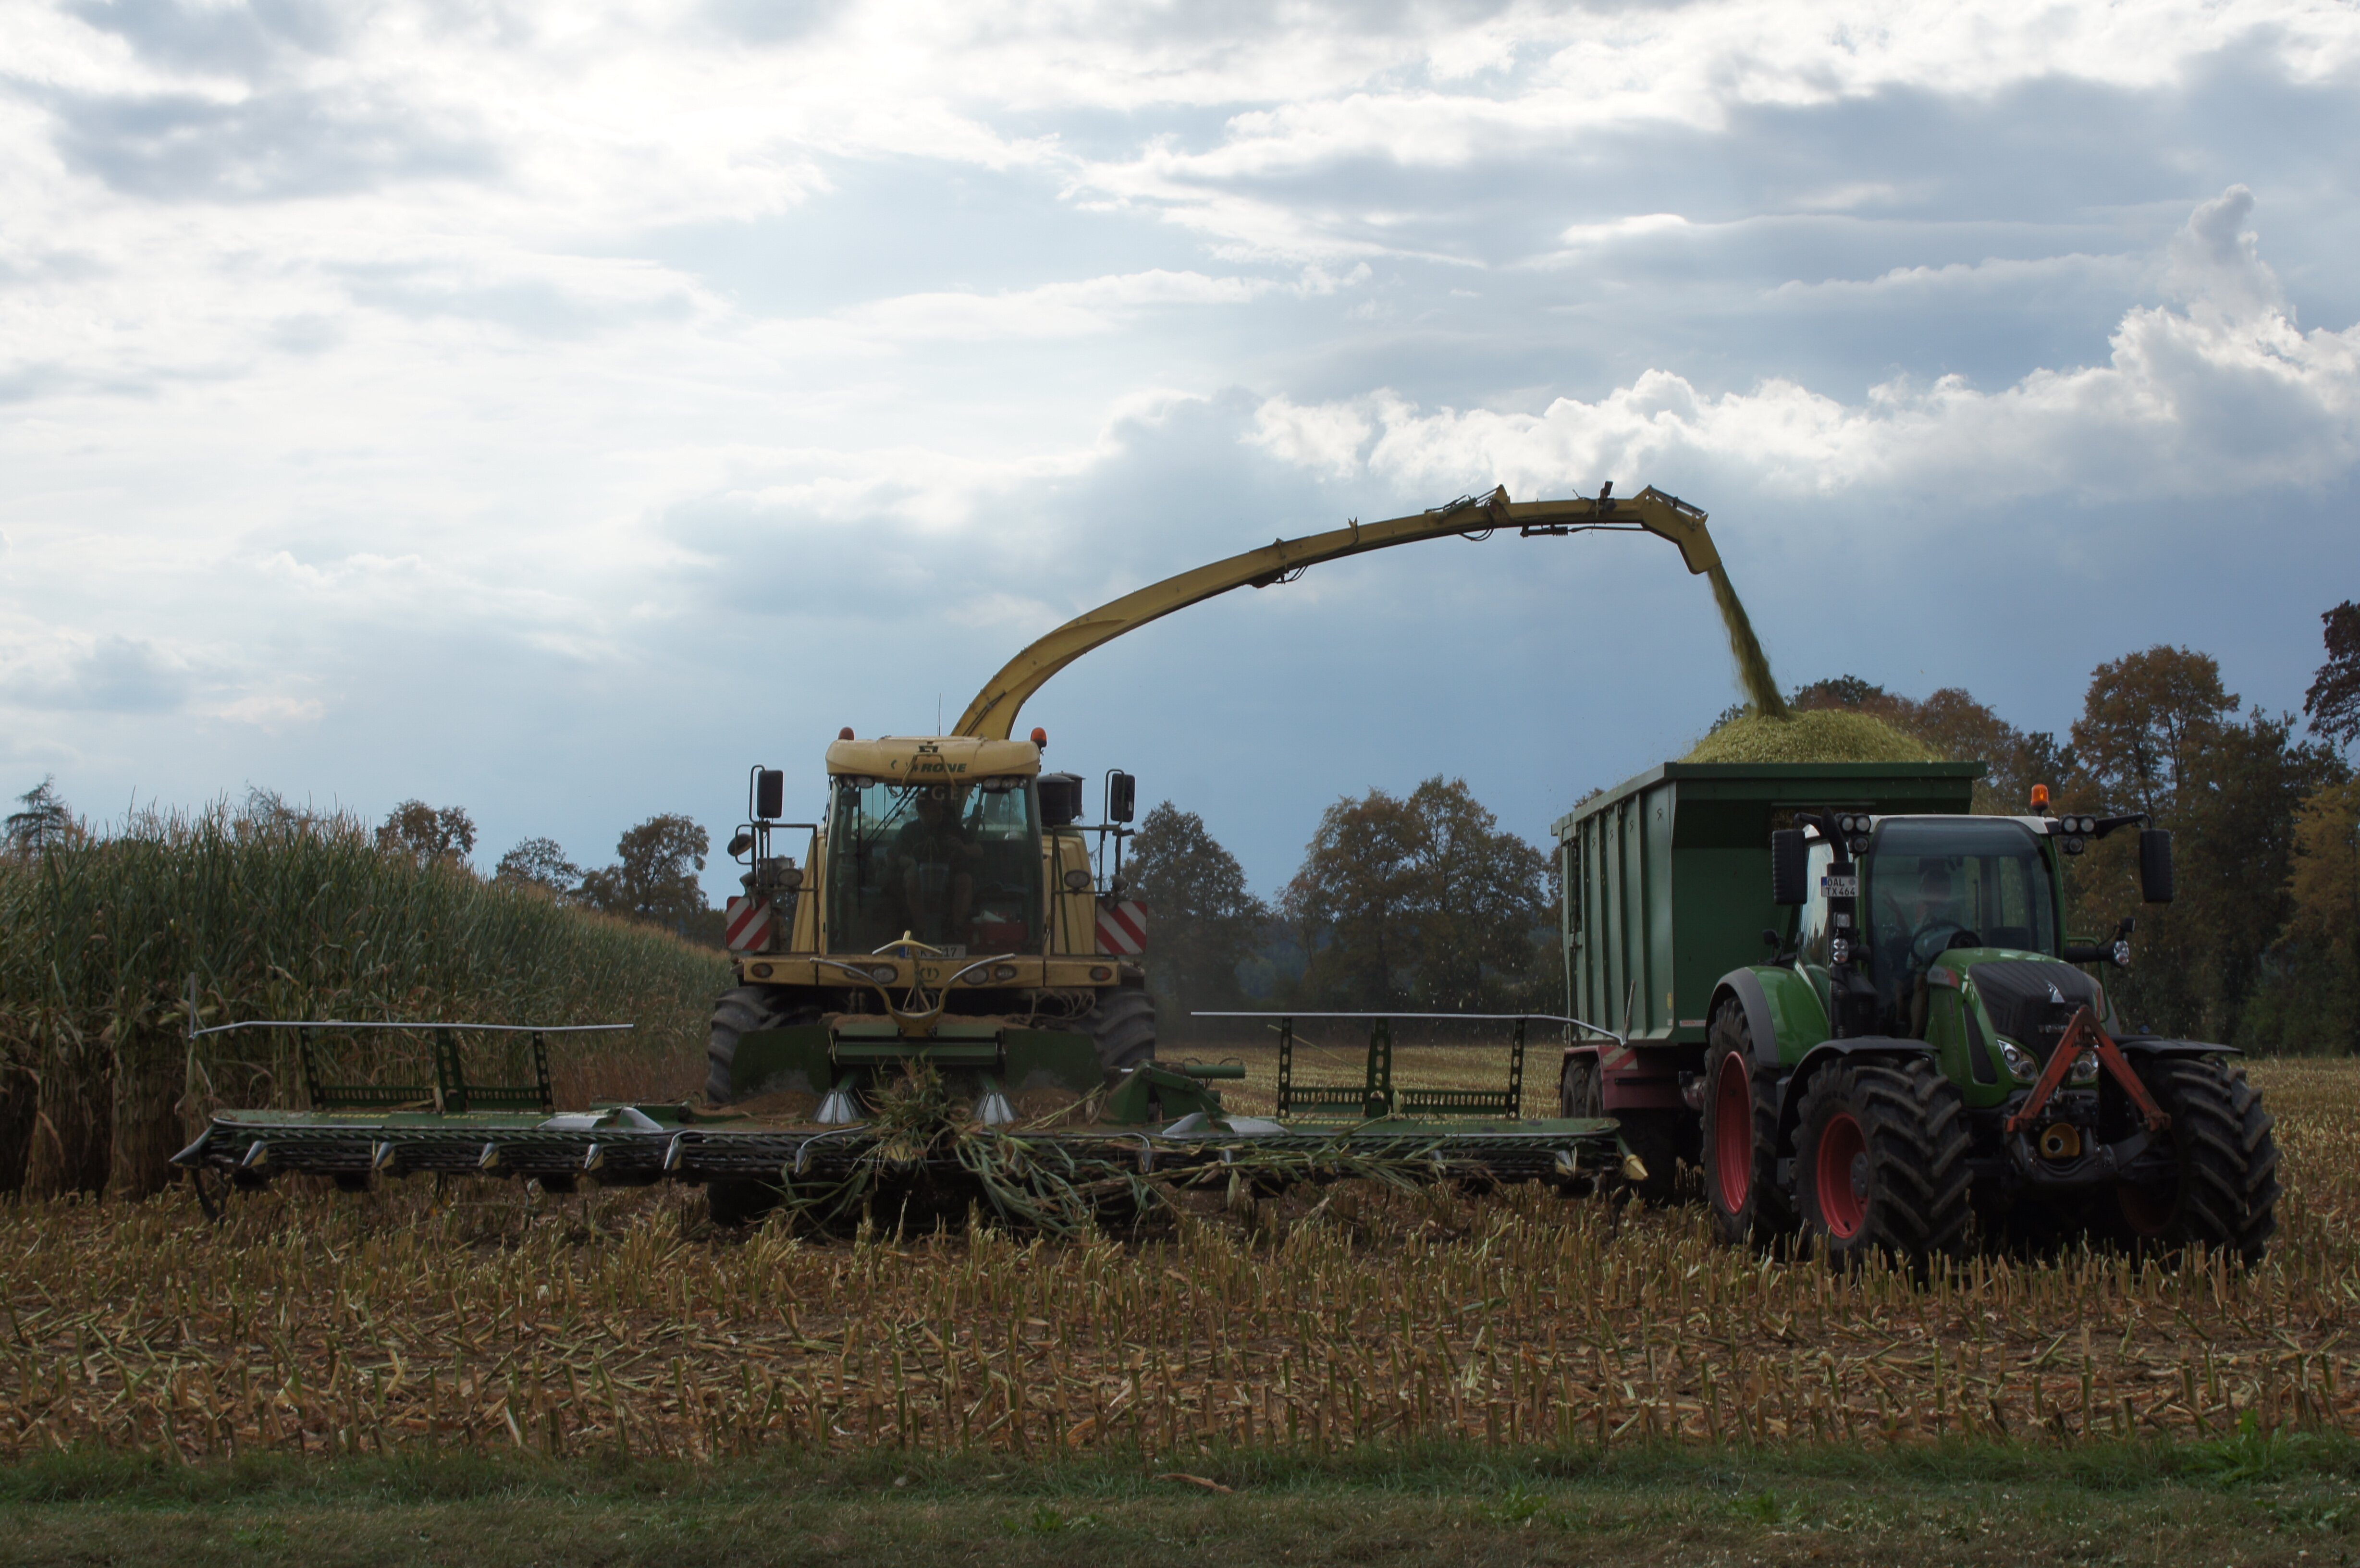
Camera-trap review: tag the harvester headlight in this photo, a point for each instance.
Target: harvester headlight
(1003, 971)
(2019, 1061)
(883, 973)
(1076, 879)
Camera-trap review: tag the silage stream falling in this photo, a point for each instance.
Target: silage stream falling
(1753, 664)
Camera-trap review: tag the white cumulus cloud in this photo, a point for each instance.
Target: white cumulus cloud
(2224, 392)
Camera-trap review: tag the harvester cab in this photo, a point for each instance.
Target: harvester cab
(1886, 910)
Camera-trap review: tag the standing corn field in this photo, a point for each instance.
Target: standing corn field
(282, 917)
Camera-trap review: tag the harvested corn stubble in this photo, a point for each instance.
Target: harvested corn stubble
(482, 1317)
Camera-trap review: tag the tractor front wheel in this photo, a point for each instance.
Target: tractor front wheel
(743, 1010)
(1881, 1162)
(1122, 1027)
(1740, 1136)
(2224, 1190)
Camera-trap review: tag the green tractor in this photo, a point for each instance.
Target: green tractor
(1926, 1056)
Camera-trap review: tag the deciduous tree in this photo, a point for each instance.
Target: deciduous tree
(1202, 921)
(1418, 901)
(429, 833)
(2332, 703)
(654, 877)
(539, 862)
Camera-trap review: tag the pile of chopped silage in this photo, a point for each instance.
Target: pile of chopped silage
(1819, 735)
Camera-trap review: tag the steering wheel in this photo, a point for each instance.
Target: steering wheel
(1941, 937)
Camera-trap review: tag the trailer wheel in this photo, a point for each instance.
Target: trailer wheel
(742, 1010)
(1881, 1162)
(1578, 1091)
(1740, 1136)
(2224, 1190)
(1122, 1027)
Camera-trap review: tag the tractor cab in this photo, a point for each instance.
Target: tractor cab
(1894, 911)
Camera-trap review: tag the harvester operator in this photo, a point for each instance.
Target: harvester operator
(936, 858)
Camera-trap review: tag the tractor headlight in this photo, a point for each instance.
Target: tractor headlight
(1840, 951)
(2084, 1069)
(2019, 1061)
(2122, 953)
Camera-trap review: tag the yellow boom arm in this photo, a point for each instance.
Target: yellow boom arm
(992, 714)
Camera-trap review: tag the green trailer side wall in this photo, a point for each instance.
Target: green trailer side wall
(1667, 875)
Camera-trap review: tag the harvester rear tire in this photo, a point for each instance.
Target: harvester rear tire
(1122, 1027)
(2225, 1193)
(1881, 1162)
(1741, 1137)
(742, 1010)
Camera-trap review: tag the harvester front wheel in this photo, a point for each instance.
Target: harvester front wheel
(1881, 1162)
(2223, 1191)
(742, 1010)
(1740, 1136)
(1122, 1027)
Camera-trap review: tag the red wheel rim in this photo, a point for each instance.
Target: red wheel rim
(1732, 1133)
(1842, 1206)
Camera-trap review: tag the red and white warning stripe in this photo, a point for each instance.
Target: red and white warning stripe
(1122, 929)
(745, 923)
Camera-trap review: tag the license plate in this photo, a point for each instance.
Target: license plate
(1840, 886)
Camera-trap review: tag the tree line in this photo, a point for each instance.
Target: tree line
(1422, 902)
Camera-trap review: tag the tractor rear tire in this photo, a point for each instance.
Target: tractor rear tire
(1741, 1137)
(1122, 1027)
(1881, 1162)
(1579, 1091)
(2224, 1192)
(742, 1010)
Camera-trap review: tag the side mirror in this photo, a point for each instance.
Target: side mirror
(1123, 794)
(1789, 867)
(770, 794)
(2155, 865)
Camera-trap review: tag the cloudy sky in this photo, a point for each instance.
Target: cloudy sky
(554, 409)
